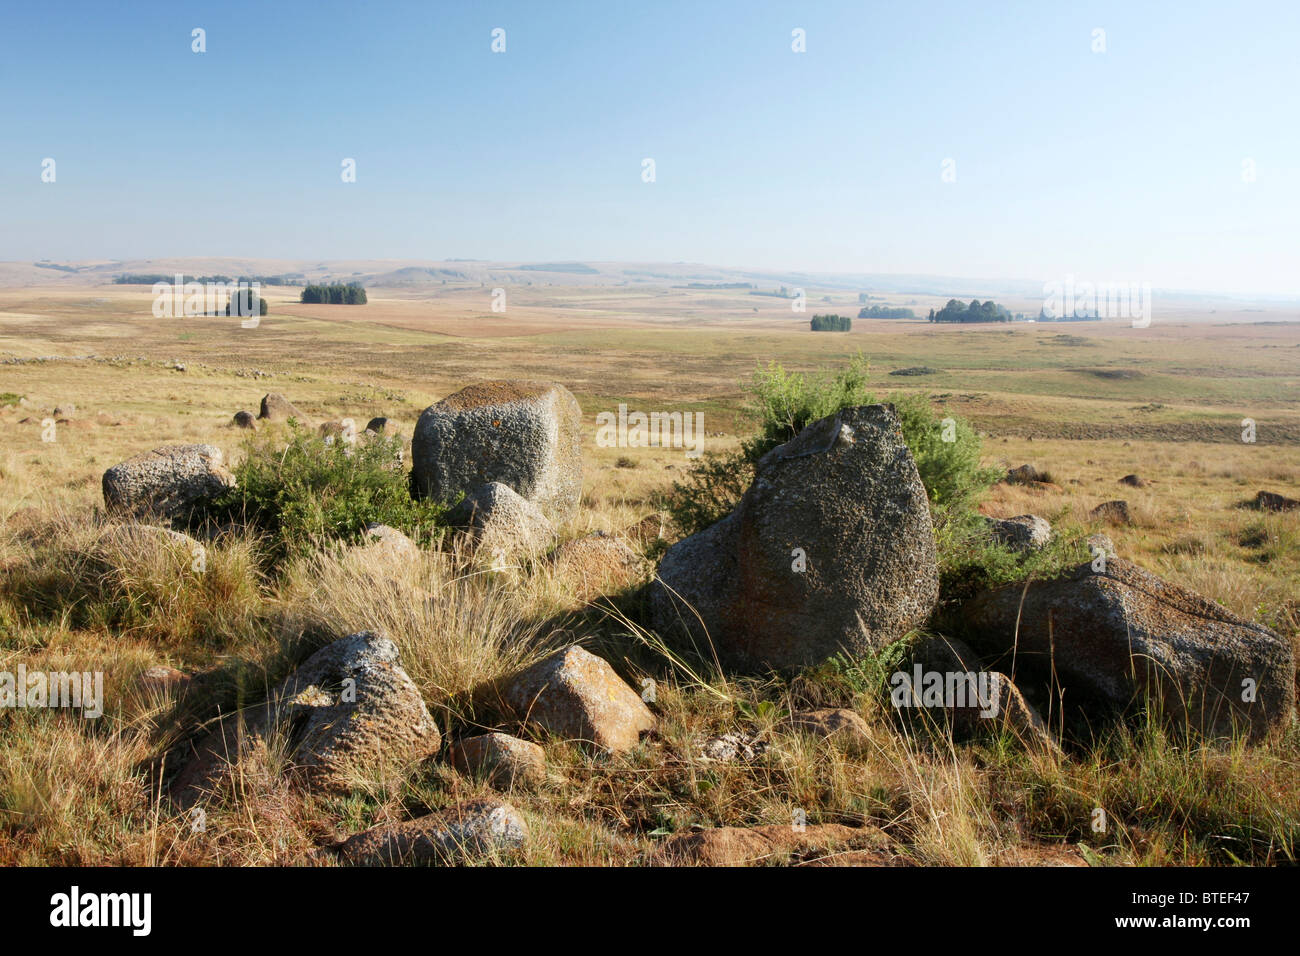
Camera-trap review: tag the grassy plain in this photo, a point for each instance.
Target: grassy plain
(1089, 402)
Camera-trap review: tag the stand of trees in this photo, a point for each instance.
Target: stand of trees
(885, 312)
(831, 323)
(241, 303)
(977, 311)
(338, 293)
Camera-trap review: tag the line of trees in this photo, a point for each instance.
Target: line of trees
(337, 293)
(831, 323)
(977, 311)
(885, 312)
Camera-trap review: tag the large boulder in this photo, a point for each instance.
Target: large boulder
(1117, 637)
(463, 833)
(168, 482)
(501, 522)
(522, 434)
(576, 695)
(349, 710)
(831, 549)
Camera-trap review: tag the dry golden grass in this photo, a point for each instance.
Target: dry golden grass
(74, 596)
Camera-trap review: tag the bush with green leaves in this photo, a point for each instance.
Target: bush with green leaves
(970, 560)
(946, 450)
(308, 491)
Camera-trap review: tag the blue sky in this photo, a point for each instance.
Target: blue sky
(1122, 165)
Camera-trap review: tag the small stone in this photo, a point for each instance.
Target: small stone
(576, 695)
(503, 760)
(464, 833)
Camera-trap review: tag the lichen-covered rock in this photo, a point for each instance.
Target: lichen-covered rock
(502, 523)
(277, 408)
(830, 550)
(598, 563)
(502, 760)
(1100, 545)
(349, 711)
(1120, 637)
(169, 482)
(576, 695)
(382, 537)
(1021, 533)
(464, 833)
(522, 434)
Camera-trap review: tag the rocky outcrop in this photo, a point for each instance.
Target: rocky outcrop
(348, 711)
(170, 482)
(1117, 638)
(830, 550)
(525, 435)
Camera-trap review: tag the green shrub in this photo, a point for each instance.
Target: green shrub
(308, 491)
(784, 403)
(970, 560)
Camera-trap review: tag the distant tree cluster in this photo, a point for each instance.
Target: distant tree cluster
(831, 323)
(1081, 314)
(241, 303)
(337, 293)
(977, 311)
(885, 312)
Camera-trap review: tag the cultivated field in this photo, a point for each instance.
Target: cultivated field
(1088, 402)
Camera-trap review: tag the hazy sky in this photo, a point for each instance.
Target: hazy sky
(1122, 165)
